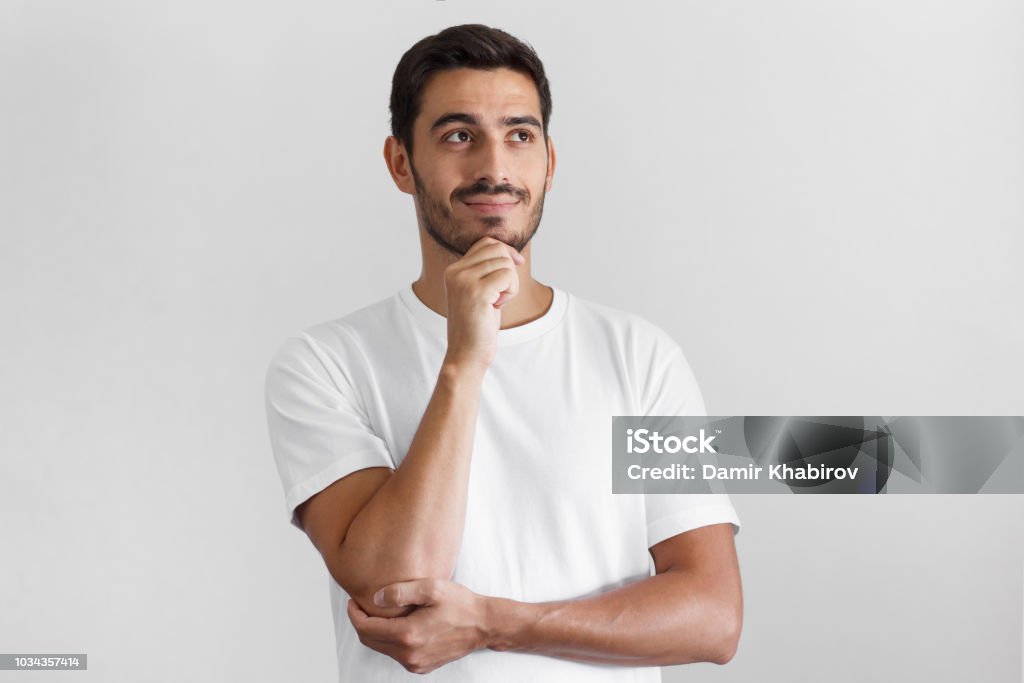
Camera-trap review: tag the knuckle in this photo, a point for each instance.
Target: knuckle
(417, 638)
(492, 248)
(405, 639)
(423, 665)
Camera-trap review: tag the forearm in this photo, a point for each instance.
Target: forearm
(675, 617)
(412, 526)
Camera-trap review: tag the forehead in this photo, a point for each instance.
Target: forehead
(475, 91)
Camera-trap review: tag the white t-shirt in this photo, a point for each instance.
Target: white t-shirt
(542, 522)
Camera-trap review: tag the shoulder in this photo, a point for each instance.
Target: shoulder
(626, 329)
(333, 343)
(652, 361)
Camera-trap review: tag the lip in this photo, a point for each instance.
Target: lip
(492, 207)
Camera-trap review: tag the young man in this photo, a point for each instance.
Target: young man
(448, 449)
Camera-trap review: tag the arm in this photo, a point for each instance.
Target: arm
(406, 523)
(690, 611)
(378, 526)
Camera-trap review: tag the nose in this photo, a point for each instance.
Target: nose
(492, 161)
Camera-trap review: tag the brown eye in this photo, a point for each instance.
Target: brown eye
(456, 132)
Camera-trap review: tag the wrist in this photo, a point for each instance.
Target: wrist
(456, 368)
(507, 623)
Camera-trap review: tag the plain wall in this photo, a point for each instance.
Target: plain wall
(821, 201)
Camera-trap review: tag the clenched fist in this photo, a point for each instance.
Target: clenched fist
(476, 287)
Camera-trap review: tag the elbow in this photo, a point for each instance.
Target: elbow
(727, 651)
(361, 587)
(356, 576)
(730, 624)
(352, 581)
(362, 575)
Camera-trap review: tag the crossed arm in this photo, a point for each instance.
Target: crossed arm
(390, 539)
(690, 611)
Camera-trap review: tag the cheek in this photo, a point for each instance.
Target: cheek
(441, 193)
(539, 189)
(445, 187)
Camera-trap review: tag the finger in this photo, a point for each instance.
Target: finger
(361, 619)
(492, 248)
(509, 250)
(382, 646)
(485, 268)
(381, 629)
(405, 593)
(355, 612)
(390, 648)
(507, 294)
(514, 287)
(504, 281)
(358, 616)
(480, 244)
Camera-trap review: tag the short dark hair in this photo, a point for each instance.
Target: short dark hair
(472, 46)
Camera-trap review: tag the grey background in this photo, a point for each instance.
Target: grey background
(821, 201)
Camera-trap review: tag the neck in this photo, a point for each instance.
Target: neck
(533, 300)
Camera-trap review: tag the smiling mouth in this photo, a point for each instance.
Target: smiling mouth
(491, 207)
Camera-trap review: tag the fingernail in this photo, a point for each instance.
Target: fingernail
(378, 598)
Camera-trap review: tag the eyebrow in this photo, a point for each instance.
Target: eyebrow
(473, 120)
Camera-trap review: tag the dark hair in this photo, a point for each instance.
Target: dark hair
(473, 46)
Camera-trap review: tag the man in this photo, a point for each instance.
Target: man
(448, 449)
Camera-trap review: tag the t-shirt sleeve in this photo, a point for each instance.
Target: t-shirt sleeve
(319, 430)
(672, 389)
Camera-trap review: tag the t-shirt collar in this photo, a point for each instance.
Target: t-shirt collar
(438, 324)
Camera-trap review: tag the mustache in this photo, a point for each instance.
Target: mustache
(484, 188)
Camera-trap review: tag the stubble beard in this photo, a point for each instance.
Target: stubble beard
(440, 223)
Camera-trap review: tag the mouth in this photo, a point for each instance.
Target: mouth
(491, 207)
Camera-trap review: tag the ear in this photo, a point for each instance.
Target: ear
(397, 160)
(551, 165)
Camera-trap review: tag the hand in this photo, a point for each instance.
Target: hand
(448, 623)
(476, 287)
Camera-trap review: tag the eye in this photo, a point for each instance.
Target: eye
(517, 136)
(456, 132)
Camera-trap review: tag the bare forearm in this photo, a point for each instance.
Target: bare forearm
(672, 618)
(412, 527)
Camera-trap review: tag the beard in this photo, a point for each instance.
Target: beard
(457, 237)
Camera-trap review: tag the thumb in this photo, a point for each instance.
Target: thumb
(405, 593)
